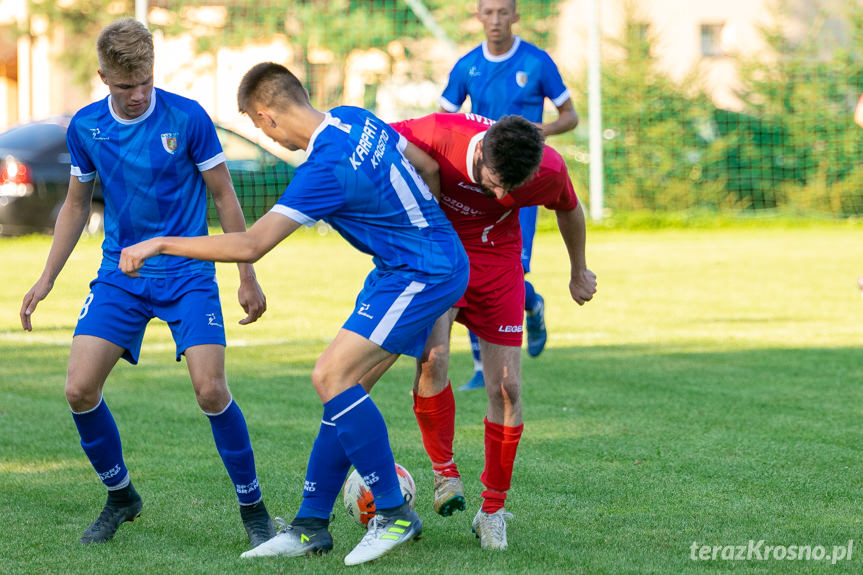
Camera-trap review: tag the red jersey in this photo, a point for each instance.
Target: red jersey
(488, 228)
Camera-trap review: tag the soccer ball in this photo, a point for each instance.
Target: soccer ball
(358, 498)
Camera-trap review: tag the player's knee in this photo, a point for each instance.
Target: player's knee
(435, 365)
(322, 378)
(212, 394)
(80, 397)
(507, 389)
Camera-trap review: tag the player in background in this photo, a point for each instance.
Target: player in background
(156, 154)
(482, 198)
(506, 75)
(357, 177)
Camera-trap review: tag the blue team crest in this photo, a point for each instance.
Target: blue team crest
(521, 79)
(169, 142)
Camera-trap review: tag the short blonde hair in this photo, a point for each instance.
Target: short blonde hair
(125, 47)
(514, 7)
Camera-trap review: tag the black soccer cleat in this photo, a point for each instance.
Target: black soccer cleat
(122, 505)
(258, 524)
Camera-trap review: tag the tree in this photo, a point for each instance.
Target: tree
(808, 86)
(652, 156)
(78, 22)
(315, 27)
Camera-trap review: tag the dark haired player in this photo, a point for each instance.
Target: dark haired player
(483, 202)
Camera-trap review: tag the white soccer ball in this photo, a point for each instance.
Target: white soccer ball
(358, 498)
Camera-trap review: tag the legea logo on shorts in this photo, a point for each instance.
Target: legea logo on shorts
(510, 328)
(211, 320)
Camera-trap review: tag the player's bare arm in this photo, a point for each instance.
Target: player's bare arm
(567, 119)
(221, 187)
(248, 246)
(70, 223)
(582, 283)
(426, 166)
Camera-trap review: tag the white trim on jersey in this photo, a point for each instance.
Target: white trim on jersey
(395, 312)
(329, 120)
(409, 202)
(326, 122)
(561, 99)
(420, 183)
(503, 57)
(471, 152)
(219, 158)
(140, 118)
(295, 215)
(83, 178)
(448, 106)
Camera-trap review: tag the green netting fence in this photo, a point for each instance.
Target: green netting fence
(788, 144)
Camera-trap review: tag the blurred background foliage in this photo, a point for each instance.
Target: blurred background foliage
(792, 145)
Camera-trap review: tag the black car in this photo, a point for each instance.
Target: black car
(34, 177)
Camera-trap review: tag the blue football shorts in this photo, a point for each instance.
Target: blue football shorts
(118, 309)
(397, 313)
(527, 220)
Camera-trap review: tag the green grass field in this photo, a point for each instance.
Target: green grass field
(710, 393)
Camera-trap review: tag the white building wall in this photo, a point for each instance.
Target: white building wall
(676, 24)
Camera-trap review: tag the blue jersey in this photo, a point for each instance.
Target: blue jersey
(517, 82)
(357, 179)
(150, 171)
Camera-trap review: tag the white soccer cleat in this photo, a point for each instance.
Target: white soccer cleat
(294, 541)
(384, 533)
(490, 528)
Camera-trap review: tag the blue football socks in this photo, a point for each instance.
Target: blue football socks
(235, 448)
(100, 440)
(326, 471)
(363, 434)
(530, 299)
(474, 350)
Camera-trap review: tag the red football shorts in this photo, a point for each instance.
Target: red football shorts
(493, 305)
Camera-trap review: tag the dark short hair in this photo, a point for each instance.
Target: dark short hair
(270, 84)
(513, 148)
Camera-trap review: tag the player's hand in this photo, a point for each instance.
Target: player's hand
(582, 286)
(132, 258)
(36, 294)
(252, 299)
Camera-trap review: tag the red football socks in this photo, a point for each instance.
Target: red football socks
(436, 418)
(501, 444)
